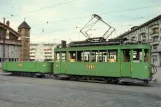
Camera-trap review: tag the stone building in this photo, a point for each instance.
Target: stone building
(24, 32)
(149, 32)
(9, 43)
(14, 46)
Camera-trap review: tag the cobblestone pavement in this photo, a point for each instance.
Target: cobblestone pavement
(36, 92)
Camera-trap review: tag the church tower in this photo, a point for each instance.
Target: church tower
(24, 32)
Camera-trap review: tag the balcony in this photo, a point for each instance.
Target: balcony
(155, 35)
(154, 26)
(154, 50)
(32, 54)
(142, 32)
(32, 57)
(155, 43)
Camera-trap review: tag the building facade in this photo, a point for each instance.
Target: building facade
(42, 51)
(10, 44)
(149, 32)
(14, 45)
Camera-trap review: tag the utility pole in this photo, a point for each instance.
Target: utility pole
(3, 37)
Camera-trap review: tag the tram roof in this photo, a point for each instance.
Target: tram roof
(111, 47)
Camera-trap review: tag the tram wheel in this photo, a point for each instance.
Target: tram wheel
(146, 82)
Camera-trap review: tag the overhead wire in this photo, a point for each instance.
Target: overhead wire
(113, 12)
(100, 27)
(43, 8)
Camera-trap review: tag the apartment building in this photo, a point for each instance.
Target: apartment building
(149, 32)
(42, 51)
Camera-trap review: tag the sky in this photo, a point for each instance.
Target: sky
(49, 22)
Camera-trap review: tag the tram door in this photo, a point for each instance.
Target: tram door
(63, 62)
(125, 63)
(60, 62)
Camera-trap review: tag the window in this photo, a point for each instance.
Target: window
(86, 56)
(57, 56)
(137, 55)
(112, 55)
(154, 58)
(93, 56)
(103, 56)
(47, 52)
(155, 46)
(63, 56)
(126, 55)
(80, 56)
(72, 56)
(146, 55)
(154, 31)
(155, 39)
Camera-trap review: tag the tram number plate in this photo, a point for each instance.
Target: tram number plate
(90, 67)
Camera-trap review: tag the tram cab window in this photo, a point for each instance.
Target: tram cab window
(57, 56)
(112, 55)
(146, 55)
(63, 56)
(72, 56)
(137, 55)
(126, 55)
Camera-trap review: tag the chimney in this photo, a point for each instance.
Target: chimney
(4, 20)
(8, 23)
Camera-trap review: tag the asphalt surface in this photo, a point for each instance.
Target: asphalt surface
(48, 92)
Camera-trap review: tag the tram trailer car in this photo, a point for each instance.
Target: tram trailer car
(132, 62)
(28, 68)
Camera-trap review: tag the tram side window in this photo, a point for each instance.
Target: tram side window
(102, 56)
(63, 56)
(72, 56)
(57, 57)
(146, 54)
(79, 56)
(126, 55)
(94, 55)
(86, 56)
(112, 55)
(137, 55)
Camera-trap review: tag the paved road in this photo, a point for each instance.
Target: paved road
(35, 92)
(158, 74)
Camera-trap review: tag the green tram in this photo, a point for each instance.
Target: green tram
(111, 63)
